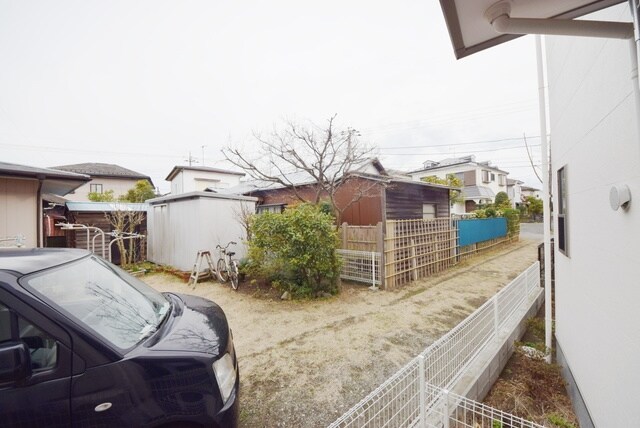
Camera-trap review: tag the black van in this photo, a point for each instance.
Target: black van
(82, 343)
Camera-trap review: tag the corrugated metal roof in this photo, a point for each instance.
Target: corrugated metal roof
(299, 178)
(105, 206)
(195, 195)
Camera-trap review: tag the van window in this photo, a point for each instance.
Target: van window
(42, 347)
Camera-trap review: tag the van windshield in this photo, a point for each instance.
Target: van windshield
(118, 307)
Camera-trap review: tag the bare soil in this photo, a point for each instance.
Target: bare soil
(304, 363)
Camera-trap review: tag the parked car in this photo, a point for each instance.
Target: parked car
(83, 343)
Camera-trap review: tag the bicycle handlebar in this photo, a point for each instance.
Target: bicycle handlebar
(226, 246)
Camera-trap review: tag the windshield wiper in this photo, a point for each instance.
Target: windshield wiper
(147, 331)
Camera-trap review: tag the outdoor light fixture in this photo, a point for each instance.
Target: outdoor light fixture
(619, 196)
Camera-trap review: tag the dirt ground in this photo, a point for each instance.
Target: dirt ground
(304, 363)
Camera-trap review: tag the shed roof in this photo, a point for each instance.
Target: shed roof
(105, 206)
(301, 178)
(198, 195)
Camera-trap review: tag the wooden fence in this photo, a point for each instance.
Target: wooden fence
(414, 249)
(362, 238)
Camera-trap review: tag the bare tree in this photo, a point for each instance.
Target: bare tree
(125, 222)
(312, 161)
(243, 215)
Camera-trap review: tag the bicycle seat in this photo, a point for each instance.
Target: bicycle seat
(231, 253)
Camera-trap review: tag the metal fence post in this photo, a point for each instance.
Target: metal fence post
(373, 269)
(423, 392)
(446, 408)
(496, 316)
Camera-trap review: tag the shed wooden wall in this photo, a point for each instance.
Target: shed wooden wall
(404, 201)
(367, 211)
(78, 239)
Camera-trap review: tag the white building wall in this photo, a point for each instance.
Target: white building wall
(197, 181)
(443, 172)
(594, 134)
(178, 229)
(120, 186)
(19, 210)
(515, 194)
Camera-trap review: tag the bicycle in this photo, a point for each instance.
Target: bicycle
(227, 267)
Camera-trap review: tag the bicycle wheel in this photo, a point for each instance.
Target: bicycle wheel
(223, 275)
(233, 274)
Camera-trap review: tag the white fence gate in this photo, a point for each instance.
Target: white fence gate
(361, 266)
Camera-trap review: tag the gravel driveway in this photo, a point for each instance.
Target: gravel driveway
(305, 363)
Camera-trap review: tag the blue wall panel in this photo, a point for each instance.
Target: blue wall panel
(478, 230)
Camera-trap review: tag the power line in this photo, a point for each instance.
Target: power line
(459, 144)
(471, 151)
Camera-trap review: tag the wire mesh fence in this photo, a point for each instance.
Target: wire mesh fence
(403, 400)
(16, 241)
(361, 266)
(449, 410)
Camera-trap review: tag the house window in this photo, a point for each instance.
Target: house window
(428, 211)
(486, 178)
(277, 208)
(493, 177)
(502, 179)
(562, 211)
(95, 188)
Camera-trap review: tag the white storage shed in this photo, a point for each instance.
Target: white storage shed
(181, 225)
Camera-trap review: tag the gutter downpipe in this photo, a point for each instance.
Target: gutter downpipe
(634, 51)
(498, 15)
(546, 206)
(39, 231)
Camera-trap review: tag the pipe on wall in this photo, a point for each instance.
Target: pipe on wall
(499, 16)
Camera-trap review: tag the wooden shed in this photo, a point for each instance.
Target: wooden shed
(181, 225)
(369, 199)
(94, 214)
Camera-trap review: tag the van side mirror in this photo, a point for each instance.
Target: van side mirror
(15, 362)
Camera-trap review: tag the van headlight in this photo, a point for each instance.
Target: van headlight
(225, 372)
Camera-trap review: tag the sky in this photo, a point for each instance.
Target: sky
(144, 84)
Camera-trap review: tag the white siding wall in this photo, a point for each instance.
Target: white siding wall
(19, 209)
(197, 181)
(442, 173)
(118, 185)
(178, 229)
(594, 133)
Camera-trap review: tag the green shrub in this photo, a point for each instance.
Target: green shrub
(513, 221)
(480, 213)
(491, 212)
(502, 200)
(296, 250)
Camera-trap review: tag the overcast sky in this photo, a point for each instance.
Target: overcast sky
(143, 83)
